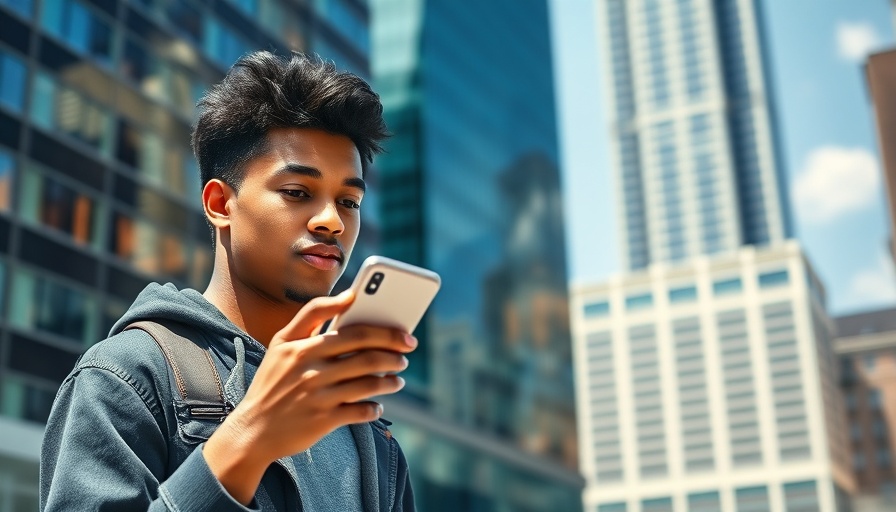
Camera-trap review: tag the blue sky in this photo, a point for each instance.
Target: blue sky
(817, 49)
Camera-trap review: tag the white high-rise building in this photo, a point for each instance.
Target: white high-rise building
(711, 386)
(692, 129)
(705, 375)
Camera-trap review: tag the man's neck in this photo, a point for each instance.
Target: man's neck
(249, 310)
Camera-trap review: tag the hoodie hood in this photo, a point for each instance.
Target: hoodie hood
(165, 302)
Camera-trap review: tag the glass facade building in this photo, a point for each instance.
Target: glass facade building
(471, 189)
(98, 185)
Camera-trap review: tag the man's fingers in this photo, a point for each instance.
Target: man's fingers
(359, 364)
(362, 388)
(360, 412)
(311, 316)
(354, 338)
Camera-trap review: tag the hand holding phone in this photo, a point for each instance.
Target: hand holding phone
(389, 293)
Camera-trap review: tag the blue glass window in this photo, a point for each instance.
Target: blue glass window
(659, 81)
(596, 309)
(639, 301)
(222, 44)
(249, 7)
(12, 81)
(801, 496)
(752, 498)
(23, 7)
(78, 26)
(46, 305)
(60, 109)
(704, 501)
(348, 21)
(186, 18)
(657, 505)
(727, 286)
(612, 507)
(771, 279)
(685, 294)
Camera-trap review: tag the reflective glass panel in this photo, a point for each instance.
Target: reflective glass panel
(147, 247)
(80, 27)
(23, 7)
(12, 81)
(641, 301)
(727, 286)
(25, 400)
(595, 309)
(685, 294)
(60, 109)
(48, 202)
(41, 303)
(347, 21)
(772, 279)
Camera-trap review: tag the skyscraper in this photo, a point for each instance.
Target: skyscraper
(98, 185)
(471, 189)
(692, 110)
(706, 377)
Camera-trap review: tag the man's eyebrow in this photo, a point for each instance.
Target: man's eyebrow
(356, 183)
(313, 172)
(304, 170)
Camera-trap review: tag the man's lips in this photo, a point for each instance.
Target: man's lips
(323, 257)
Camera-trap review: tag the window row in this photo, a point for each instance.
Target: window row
(797, 496)
(64, 111)
(687, 293)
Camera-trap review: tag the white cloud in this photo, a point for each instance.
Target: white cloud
(875, 285)
(836, 181)
(856, 40)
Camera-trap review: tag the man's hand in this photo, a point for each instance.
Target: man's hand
(307, 385)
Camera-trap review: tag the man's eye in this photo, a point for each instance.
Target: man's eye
(295, 193)
(348, 203)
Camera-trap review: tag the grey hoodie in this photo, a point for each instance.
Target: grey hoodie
(120, 438)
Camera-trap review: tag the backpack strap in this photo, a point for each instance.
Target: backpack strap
(199, 384)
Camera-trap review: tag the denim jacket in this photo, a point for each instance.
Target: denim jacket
(120, 438)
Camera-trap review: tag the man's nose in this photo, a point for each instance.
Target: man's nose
(327, 220)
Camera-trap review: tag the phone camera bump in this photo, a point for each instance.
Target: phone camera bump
(374, 283)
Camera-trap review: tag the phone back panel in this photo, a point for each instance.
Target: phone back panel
(400, 300)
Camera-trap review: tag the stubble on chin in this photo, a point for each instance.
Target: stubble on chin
(299, 296)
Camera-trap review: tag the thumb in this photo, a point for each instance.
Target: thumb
(312, 316)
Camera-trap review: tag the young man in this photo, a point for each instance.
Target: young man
(282, 146)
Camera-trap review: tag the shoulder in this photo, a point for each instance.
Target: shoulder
(131, 357)
(133, 351)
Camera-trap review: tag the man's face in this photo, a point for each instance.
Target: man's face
(295, 219)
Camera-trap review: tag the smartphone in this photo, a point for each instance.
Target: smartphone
(389, 293)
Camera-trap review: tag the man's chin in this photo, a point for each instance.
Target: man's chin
(302, 296)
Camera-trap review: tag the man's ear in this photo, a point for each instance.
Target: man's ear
(216, 197)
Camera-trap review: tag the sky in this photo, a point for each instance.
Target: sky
(826, 126)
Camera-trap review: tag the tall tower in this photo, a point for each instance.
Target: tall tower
(692, 114)
(470, 187)
(705, 373)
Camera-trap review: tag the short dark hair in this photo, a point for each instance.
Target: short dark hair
(264, 91)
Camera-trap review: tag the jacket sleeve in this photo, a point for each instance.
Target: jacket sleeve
(104, 449)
